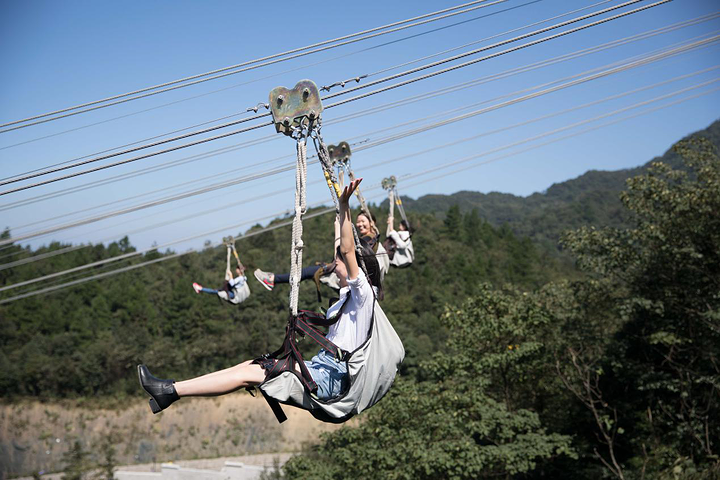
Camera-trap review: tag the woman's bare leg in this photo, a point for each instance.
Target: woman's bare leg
(221, 382)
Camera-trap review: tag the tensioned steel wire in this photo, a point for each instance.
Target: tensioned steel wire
(405, 177)
(131, 150)
(287, 71)
(284, 72)
(472, 62)
(533, 147)
(507, 32)
(431, 170)
(151, 262)
(568, 127)
(378, 109)
(403, 135)
(251, 65)
(423, 77)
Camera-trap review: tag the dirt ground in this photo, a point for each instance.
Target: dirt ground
(34, 435)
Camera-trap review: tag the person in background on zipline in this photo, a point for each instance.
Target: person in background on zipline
(354, 311)
(230, 288)
(404, 254)
(366, 230)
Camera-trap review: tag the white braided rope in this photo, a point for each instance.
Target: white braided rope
(297, 226)
(227, 266)
(391, 199)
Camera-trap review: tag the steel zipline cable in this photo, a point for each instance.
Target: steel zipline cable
(270, 76)
(273, 75)
(384, 89)
(434, 169)
(374, 110)
(385, 162)
(246, 66)
(494, 55)
(405, 177)
(289, 167)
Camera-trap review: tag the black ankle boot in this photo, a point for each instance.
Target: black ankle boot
(162, 391)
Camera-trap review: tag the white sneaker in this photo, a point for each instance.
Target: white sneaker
(197, 287)
(264, 278)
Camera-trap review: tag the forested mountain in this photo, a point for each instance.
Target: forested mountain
(590, 199)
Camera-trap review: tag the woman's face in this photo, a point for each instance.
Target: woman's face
(363, 225)
(401, 227)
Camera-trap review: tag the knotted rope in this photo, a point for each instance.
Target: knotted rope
(391, 199)
(297, 226)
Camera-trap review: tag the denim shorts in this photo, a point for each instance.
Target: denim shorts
(330, 375)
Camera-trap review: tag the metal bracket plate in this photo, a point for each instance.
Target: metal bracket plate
(295, 108)
(339, 153)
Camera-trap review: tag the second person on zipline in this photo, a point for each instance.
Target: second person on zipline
(367, 231)
(354, 311)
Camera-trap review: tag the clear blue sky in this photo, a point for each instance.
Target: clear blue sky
(59, 54)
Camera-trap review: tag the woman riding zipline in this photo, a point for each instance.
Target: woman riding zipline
(354, 314)
(403, 253)
(234, 290)
(366, 230)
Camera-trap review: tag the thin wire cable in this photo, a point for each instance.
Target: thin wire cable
(439, 72)
(533, 147)
(507, 32)
(25, 187)
(284, 72)
(174, 85)
(169, 257)
(403, 135)
(466, 159)
(353, 89)
(571, 126)
(86, 279)
(506, 42)
(373, 110)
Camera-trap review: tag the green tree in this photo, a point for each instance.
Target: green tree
(453, 221)
(468, 419)
(666, 277)
(76, 462)
(108, 458)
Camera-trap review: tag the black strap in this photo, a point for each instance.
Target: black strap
(288, 357)
(318, 337)
(275, 407)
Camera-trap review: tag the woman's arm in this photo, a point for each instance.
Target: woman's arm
(390, 226)
(347, 240)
